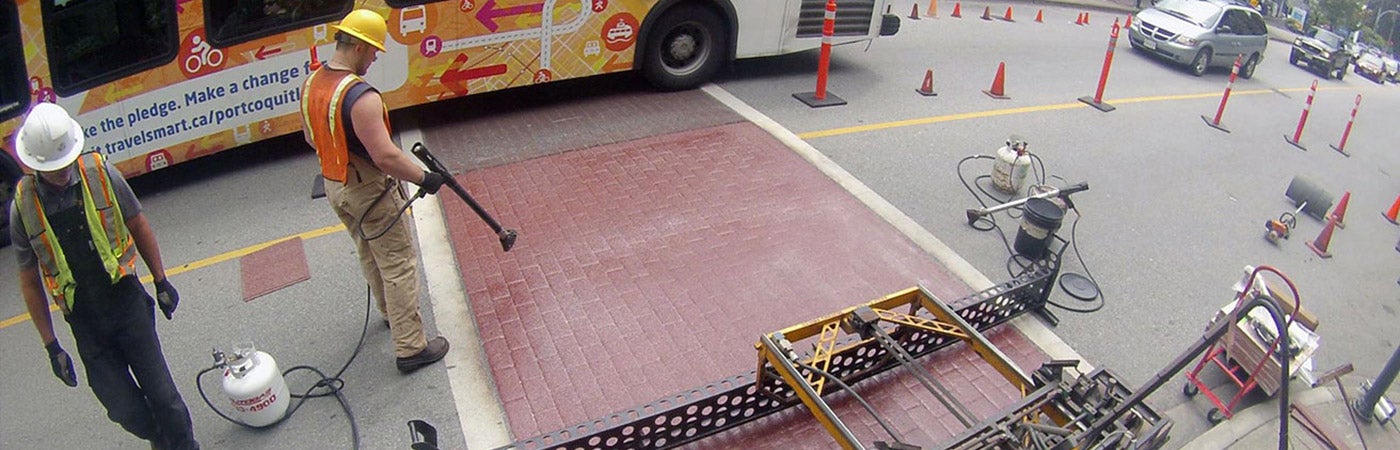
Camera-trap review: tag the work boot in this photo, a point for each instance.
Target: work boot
(433, 352)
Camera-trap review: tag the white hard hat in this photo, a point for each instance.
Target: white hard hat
(50, 139)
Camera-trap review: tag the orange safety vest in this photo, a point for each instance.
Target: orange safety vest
(104, 222)
(322, 97)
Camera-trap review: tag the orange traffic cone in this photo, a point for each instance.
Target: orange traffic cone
(914, 13)
(987, 13)
(957, 10)
(1394, 209)
(1341, 210)
(1039, 16)
(927, 88)
(1129, 23)
(1086, 17)
(1324, 239)
(933, 8)
(998, 90)
(1007, 17)
(315, 61)
(1079, 19)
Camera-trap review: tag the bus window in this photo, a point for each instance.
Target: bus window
(233, 21)
(91, 42)
(14, 79)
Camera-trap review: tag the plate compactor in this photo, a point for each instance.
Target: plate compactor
(1309, 197)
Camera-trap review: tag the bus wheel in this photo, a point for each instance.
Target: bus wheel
(685, 48)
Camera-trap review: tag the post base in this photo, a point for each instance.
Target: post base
(1211, 123)
(1290, 140)
(1097, 105)
(1340, 150)
(810, 98)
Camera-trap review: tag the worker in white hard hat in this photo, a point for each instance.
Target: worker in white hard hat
(77, 228)
(346, 121)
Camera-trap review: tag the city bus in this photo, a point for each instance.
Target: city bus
(158, 82)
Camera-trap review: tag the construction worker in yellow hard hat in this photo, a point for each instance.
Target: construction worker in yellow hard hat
(346, 121)
(78, 228)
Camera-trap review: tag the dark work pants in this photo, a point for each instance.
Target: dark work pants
(116, 336)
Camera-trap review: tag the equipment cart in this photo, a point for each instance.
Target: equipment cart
(1246, 352)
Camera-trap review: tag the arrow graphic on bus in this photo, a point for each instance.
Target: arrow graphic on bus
(264, 52)
(456, 79)
(488, 13)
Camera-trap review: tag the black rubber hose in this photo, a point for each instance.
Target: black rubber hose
(1284, 358)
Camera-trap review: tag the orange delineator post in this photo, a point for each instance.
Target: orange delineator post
(1097, 101)
(1298, 134)
(824, 64)
(315, 61)
(1342, 147)
(819, 97)
(1234, 71)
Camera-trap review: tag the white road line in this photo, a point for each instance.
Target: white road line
(1034, 330)
(479, 409)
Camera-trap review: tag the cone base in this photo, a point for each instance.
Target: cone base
(1340, 150)
(996, 96)
(1322, 253)
(810, 98)
(1391, 219)
(1097, 105)
(1295, 143)
(924, 93)
(1210, 122)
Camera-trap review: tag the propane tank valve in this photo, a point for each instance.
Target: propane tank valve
(1012, 164)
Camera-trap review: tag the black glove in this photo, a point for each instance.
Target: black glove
(167, 297)
(432, 181)
(62, 364)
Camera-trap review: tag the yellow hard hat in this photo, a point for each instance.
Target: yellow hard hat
(365, 25)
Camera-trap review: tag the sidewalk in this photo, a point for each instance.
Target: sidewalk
(1258, 426)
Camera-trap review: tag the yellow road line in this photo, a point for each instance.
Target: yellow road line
(172, 271)
(1032, 109)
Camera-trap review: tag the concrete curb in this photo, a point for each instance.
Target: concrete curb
(479, 409)
(1229, 432)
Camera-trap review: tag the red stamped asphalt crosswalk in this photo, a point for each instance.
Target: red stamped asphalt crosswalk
(648, 267)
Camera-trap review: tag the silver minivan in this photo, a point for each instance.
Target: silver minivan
(1201, 34)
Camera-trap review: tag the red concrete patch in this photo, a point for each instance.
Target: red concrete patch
(273, 268)
(650, 267)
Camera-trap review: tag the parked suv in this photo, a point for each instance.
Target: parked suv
(1371, 66)
(1322, 50)
(1202, 34)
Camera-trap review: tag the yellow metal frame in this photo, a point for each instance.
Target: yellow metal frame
(945, 322)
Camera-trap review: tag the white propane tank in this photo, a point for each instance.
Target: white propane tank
(255, 387)
(1013, 162)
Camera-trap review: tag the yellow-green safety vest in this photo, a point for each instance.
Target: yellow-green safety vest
(104, 222)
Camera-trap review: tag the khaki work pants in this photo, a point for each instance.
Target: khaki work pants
(390, 262)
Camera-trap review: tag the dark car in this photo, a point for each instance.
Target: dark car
(1322, 50)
